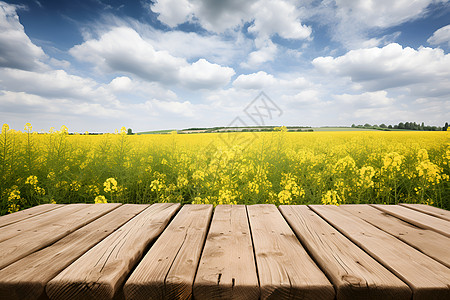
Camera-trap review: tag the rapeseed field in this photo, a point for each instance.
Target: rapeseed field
(224, 168)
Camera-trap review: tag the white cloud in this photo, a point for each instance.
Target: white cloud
(366, 100)
(425, 71)
(185, 108)
(267, 17)
(216, 16)
(204, 75)
(123, 50)
(173, 12)
(262, 80)
(255, 81)
(210, 47)
(440, 36)
(305, 98)
(121, 84)
(278, 17)
(53, 84)
(263, 54)
(16, 49)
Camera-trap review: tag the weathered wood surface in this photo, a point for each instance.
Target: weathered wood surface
(39, 222)
(167, 271)
(417, 218)
(426, 241)
(27, 213)
(354, 274)
(227, 267)
(44, 230)
(285, 269)
(427, 278)
(431, 210)
(100, 272)
(27, 278)
(88, 251)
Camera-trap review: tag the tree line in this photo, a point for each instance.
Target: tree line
(405, 126)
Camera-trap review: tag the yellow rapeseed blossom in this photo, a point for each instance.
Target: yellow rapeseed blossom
(5, 128)
(100, 199)
(32, 180)
(331, 197)
(110, 185)
(28, 127)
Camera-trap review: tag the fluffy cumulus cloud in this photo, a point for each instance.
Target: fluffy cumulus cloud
(16, 49)
(266, 18)
(204, 75)
(264, 81)
(123, 50)
(440, 36)
(426, 70)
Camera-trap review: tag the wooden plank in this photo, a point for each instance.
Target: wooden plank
(427, 278)
(431, 210)
(167, 271)
(26, 278)
(101, 271)
(417, 218)
(39, 222)
(426, 241)
(27, 213)
(227, 267)
(285, 270)
(354, 274)
(30, 241)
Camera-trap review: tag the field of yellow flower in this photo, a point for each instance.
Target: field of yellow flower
(221, 168)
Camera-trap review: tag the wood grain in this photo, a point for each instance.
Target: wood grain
(100, 272)
(26, 278)
(431, 210)
(39, 222)
(227, 267)
(48, 232)
(167, 271)
(27, 213)
(426, 241)
(285, 270)
(427, 278)
(417, 218)
(354, 274)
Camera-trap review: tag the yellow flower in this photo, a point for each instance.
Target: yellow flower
(123, 130)
(331, 197)
(100, 199)
(110, 185)
(5, 128)
(31, 180)
(64, 129)
(28, 127)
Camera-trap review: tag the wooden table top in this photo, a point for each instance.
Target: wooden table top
(169, 251)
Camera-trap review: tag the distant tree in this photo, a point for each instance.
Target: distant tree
(382, 125)
(401, 125)
(422, 127)
(390, 126)
(353, 125)
(445, 127)
(367, 125)
(130, 131)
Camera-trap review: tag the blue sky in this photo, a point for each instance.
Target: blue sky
(98, 65)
